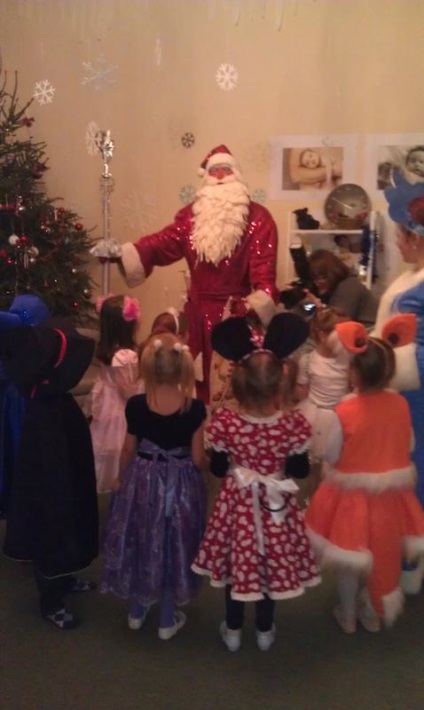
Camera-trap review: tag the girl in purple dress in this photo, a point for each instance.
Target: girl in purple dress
(157, 517)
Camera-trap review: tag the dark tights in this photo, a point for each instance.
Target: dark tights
(52, 591)
(264, 612)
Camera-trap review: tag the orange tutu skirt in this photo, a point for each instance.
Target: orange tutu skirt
(369, 532)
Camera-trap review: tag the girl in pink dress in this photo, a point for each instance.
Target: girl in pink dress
(255, 543)
(118, 380)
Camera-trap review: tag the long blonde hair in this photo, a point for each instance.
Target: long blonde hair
(166, 361)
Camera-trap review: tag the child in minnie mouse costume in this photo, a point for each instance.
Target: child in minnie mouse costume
(255, 543)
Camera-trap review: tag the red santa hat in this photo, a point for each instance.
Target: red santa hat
(217, 156)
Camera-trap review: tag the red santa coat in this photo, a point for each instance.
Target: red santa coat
(251, 267)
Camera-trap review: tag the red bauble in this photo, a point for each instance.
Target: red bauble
(23, 239)
(75, 304)
(78, 226)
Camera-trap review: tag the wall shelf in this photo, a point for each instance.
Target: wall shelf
(294, 238)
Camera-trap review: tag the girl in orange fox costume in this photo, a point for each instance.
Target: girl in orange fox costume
(365, 516)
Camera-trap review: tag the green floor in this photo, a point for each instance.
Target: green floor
(103, 665)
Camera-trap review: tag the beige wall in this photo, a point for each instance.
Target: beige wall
(305, 67)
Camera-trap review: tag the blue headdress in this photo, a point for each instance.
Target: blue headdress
(402, 198)
(24, 310)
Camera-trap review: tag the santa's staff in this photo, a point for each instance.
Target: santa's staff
(107, 250)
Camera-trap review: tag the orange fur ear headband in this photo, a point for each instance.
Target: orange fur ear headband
(398, 331)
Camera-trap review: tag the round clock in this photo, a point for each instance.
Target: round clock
(347, 206)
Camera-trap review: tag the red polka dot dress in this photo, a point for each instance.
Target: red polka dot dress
(255, 538)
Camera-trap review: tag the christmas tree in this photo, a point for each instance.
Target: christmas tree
(44, 248)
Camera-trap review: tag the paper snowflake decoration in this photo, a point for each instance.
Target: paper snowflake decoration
(188, 140)
(187, 194)
(44, 92)
(98, 74)
(90, 138)
(260, 155)
(226, 77)
(139, 211)
(259, 195)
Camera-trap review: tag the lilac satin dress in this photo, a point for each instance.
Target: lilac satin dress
(157, 518)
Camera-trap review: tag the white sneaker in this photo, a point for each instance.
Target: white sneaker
(136, 622)
(167, 632)
(231, 637)
(265, 639)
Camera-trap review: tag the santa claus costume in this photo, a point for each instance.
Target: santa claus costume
(365, 514)
(229, 243)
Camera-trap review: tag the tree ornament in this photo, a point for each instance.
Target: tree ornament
(20, 207)
(78, 226)
(13, 239)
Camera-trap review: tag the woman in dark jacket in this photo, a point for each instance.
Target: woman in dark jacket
(337, 286)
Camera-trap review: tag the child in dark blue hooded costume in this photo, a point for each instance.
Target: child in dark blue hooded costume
(25, 310)
(53, 518)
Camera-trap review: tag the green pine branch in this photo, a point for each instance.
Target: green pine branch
(44, 248)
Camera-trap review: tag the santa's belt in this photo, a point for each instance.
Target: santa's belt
(275, 487)
(221, 295)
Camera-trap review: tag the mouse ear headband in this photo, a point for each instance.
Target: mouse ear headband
(398, 331)
(406, 203)
(234, 340)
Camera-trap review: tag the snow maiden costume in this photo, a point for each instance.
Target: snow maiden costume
(365, 514)
(255, 539)
(406, 295)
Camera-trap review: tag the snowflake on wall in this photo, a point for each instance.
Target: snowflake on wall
(139, 211)
(259, 155)
(188, 140)
(98, 74)
(44, 92)
(226, 77)
(90, 138)
(187, 194)
(259, 195)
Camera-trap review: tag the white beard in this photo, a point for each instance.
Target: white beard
(220, 213)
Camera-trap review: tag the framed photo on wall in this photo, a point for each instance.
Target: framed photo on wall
(387, 152)
(311, 164)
